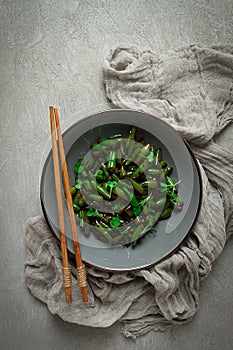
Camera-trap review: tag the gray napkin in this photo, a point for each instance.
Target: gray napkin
(191, 89)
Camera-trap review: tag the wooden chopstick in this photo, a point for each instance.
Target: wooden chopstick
(80, 268)
(65, 263)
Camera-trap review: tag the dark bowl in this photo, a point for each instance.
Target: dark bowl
(171, 232)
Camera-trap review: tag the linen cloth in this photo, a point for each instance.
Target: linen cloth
(190, 88)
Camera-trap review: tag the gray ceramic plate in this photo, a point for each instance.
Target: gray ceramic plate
(171, 232)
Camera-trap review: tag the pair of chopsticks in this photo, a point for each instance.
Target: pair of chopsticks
(80, 268)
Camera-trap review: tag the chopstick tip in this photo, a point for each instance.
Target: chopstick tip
(68, 295)
(84, 295)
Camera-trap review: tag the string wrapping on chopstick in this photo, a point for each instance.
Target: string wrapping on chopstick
(81, 276)
(66, 274)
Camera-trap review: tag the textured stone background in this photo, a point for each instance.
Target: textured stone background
(52, 52)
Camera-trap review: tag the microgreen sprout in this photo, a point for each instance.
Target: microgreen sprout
(115, 222)
(93, 212)
(112, 185)
(170, 188)
(78, 167)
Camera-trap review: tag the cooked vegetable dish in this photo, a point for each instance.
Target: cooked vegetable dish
(123, 188)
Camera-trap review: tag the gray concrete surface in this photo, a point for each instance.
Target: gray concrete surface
(51, 52)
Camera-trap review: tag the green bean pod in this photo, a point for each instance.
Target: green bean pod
(87, 229)
(161, 202)
(168, 170)
(127, 162)
(163, 164)
(73, 191)
(142, 153)
(87, 185)
(112, 161)
(102, 229)
(121, 193)
(102, 224)
(129, 211)
(154, 172)
(105, 171)
(81, 218)
(81, 202)
(115, 177)
(99, 175)
(132, 133)
(138, 187)
(101, 139)
(158, 155)
(150, 183)
(102, 191)
(136, 235)
(166, 213)
(106, 219)
(140, 169)
(145, 150)
(91, 162)
(129, 173)
(94, 197)
(122, 171)
(76, 206)
(118, 155)
(115, 136)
